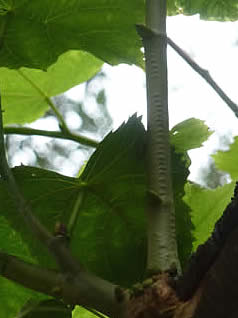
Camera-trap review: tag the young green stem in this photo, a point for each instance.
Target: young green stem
(162, 247)
(53, 134)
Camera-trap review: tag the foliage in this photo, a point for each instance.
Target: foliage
(48, 308)
(30, 89)
(189, 134)
(225, 160)
(46, 47)
(111, 224)
(207, 207)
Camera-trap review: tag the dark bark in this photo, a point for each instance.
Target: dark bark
(212, 271)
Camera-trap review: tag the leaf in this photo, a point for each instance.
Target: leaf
(35, 33)
(80, 312)
(172, 7)
(227, 160)
(13, 297)
(104, 174)
(123, 150)
(210, 9)
(184, 227)
(207, 207)
(111, 226)
(9, 290)
(111, 223)
(189, 134)
(25, 92)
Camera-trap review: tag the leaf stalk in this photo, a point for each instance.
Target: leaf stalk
(52, 134)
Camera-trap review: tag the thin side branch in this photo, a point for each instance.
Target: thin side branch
(52, 134)
(204, 74)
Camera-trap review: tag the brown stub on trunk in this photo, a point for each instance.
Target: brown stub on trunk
(159, 300)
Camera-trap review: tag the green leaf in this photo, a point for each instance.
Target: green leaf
(184, 227)
(172, 8)
(111, 226)
(80, 312)
(25, 92)
(186, 135)
(123, 150)
(189, 134)
(227, 160)
(210, 9)
(14, 244)
(12, 295)
(111, 223)
(47, 308)
(207, 207)
(35, 33)
(112, 176)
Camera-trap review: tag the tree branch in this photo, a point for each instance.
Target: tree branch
(85, 289)
(29, 275)
(204, 74)
(53, 134)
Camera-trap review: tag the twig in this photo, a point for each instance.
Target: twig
(53, 134)
(205, 74)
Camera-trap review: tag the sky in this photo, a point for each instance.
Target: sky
(214, 46)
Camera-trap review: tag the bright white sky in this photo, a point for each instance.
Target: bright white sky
(214, 46)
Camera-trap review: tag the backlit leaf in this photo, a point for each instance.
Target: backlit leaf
(25, 92)
(207, 206)
(227, 160)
